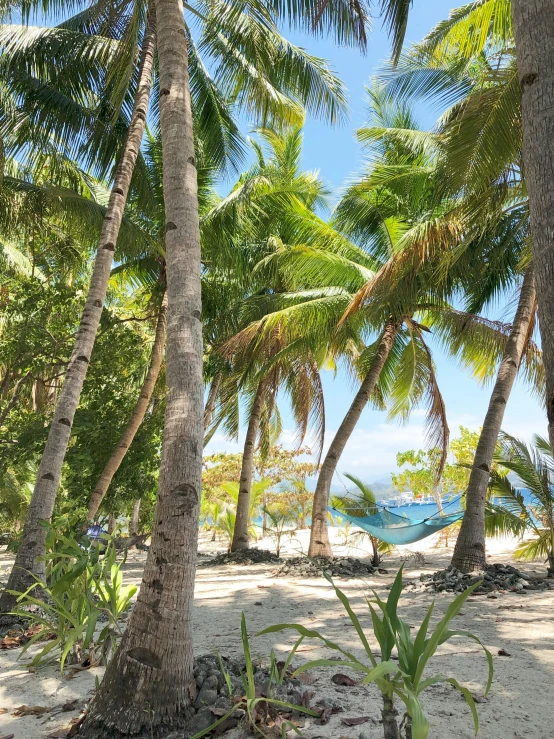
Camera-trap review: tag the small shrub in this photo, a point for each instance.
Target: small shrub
(402, 680)
(256, 707)
(80, 585)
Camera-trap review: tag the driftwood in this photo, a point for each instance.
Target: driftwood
(128, 542)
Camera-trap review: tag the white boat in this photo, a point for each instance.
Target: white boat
(403, 499)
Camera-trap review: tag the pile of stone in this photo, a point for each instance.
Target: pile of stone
(314, 567)
(213, 699)
(496, 578)
(252, 556)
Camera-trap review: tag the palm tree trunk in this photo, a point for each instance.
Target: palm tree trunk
(469, 552)
(240, 534)
(50, 469)
(210, 401)
(137, 416)
(533, 26)
(319, 536)
(134, 522)
(112, 523)
(149, 684)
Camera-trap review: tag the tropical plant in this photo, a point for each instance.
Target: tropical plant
(402, 679)
(469, 59)
(80, 585)
(534, 466)
(361, 503)
(258, 708)
(279, 517)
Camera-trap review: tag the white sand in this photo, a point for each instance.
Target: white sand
(520, 703)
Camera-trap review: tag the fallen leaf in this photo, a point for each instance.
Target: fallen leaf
(76, 725)
(324, 717)
(305, 678)
(354, 721)
(71, 705)
(503, 653)
(30, 711)
(7, 736)
(340, 679)
(258, 603)
(3, 710)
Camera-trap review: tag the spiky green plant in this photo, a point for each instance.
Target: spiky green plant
(402, 679)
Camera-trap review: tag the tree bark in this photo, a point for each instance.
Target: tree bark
(240, 534)
(469, 552)
(134, 521)
(149, 684)
(319, 536)
(32, 545)
(112, 523)
(137, 417)
(210, 401)
(533, 26)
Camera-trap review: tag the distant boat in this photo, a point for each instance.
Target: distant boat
(403, 499)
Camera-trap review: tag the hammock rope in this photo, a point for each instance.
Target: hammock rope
(397, 530)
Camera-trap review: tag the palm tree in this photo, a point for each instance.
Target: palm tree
(362, 503)
(533, 28)
(283, 76)
(154, 663)
(28, 562)
(534, 467)
(265, 205)
(482, 138)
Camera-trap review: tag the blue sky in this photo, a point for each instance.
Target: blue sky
(335, 153)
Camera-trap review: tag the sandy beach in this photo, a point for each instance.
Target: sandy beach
(519, 704)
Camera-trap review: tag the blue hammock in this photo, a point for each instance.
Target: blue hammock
(396, 529)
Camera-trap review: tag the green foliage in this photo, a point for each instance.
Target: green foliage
(81, 584)
(534, 466)
(403, 679)
(251, 702)
(362, 504)
(279, 517)
(420, 475)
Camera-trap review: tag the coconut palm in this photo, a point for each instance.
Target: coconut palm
(482, 144)
(264, 209)
(362, 502)
(533, 465)
(168, 658)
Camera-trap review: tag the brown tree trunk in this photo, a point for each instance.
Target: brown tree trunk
(533, 25)
(469, 552)
(50, 469)
(210, 401)
(15, 395)
(133, 425)
(240, 534)
(134, 521)
(112, 523)
(319, 536)
(149, 684)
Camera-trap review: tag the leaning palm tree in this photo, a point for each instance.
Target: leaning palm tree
(270, 83)
(534, 467)
(483, 149)
(362, 502)
(160, 674)
(28, 562)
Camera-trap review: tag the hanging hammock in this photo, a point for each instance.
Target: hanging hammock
(396, 529)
